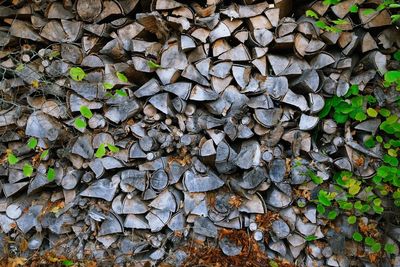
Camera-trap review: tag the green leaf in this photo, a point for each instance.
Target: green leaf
(121, 77)
(311, 238)
(369, 241)
(340, 22)
(368, 11)
(393, 161)
(323, 198)
(77, 73)
(326, 109)
(108, 86)
(121, 92)
(51, 174)
(32, 142)
(360, 116)
(379, 139)
(339, 117)
(357, 237)
(320, 209)
(372, 112)
(113, 148)
(101, 151)
(392, 75)
(12, 159)
(394, 5)
(352, 219)
(86, 112)
(369, 143)
(311, 14)
(44, 154)
(353, 9)
(27, 170)
(79, 123)
(20, 67)
(390, 248)
(153, 65)
(376, 247)
(67, 263)
(395, 18)
(332, 215)
(320, 24)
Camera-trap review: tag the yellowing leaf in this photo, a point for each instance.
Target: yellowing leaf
(354, 189)
(77, 74)
(35, 84)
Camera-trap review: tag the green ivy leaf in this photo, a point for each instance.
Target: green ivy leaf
(376, 247)
(340, 22)
(353, 9)
(339, 117)
(321, 24)
(27, 170)
(311, 238)
(369, 143)
(101, 151)
(395, 18)
(357, 237)
(392, 76)
(390, 248)
(332, 215)
(32, 143)
(360, 116)
(121, 77)
(121, 92)
(352, 219)
(153, 65)
(77, 73)
(108, 86)
(12, 159)
(311, 14)
(51, 174)
(323, 198)
(80, 123)
(326, 109)
(86, 112)
(113, 148)
(393, 161)
(320, 209)
(369, 241)
(44, 154)
(372, 112)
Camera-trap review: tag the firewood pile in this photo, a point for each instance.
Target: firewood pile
(148, 131)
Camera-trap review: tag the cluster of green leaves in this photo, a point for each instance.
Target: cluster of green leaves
(86, 113)
(110, 86)
(323, 24)
(102, 150)
(28, 169)
(386, 4)
(351, 106)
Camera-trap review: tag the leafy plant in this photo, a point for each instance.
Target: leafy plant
(44, 154)
(153, 65)
(80, 123)
(77, 73)
(102, 151)
(86, 112)
(121, 77)
(32, 143)
(51, 174)
(27, 170)
(12, 159)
